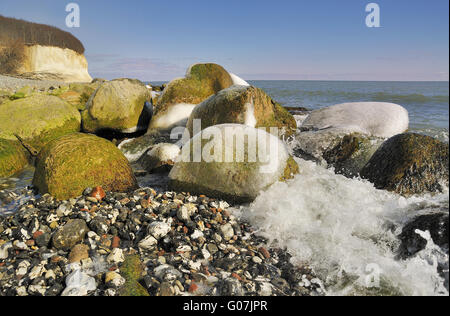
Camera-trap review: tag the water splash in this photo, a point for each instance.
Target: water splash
(347, 230)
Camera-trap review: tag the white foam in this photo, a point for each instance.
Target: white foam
(165, 152)
(237, 80)
(371, 118)
(176, 115)
(340, 226)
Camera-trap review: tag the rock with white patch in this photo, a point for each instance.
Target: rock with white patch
(370, 118)
(246, 105)
(234, 171)
(181, 95)
(160, 158)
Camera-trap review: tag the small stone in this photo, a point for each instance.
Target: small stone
(70, 234)
(78, 253)
(227, 231)
(257, 260)
(115, 242)
(264, 252)
(148, 243)
(113, 279)
(98, 193)
(166, 289)
(116, 256)
(159, 229)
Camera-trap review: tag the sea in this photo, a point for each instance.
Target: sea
(345, 229)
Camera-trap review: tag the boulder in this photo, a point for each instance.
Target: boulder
(77, 94)
(12, 158)
(117, 105)
(72, 163)
(181, 95)
(435, 221)
(369, 118)
(212, 164)
(160, 158)
(409, 164)
(347, 153)
(38, 119)
(242, 105)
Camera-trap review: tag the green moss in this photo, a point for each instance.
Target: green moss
(12, 158)
(131, 270)
(38, 119)
(68, 165)
(291, 169)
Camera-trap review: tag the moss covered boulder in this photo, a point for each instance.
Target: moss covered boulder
(117, 105)
(233, 162)
(242, 105)
(12, 158)
(70, 164)
(409, 164)
(346, 153)
(181, 95)
(38, 119)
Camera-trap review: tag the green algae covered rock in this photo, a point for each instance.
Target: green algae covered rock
(131, 270)
(38, 119)
(409, 164)
(230, 163)
(201, 81)
(12, 158)
(70, 164)
(116, 105)
(242, 105)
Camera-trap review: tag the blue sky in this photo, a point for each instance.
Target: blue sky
(256, 39)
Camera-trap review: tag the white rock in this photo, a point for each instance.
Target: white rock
(116, 256)
(183, 214)
(37, 271)
(21, 291)
(79, 284)
(176, 115)
(371, 118)
(148, 243)
(159, 229)
(227, 231)
(22, 268)
(20, 245)
(197, 234)
(4, 250)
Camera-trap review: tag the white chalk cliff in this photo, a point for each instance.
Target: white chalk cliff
(63, 64)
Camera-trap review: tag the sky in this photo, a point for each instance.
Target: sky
(255, 39)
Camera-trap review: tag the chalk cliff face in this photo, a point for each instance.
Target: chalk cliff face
(58, 63)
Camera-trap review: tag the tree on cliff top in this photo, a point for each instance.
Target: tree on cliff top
(13, 30)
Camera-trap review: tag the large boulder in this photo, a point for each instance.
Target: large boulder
(347, 153)
(70, 164)
(77, 94)
(228, 161)
(117, 105)
(181, 95)
(242, 105)
(134, 148)
(409, 164)
(12, 158)
(38, 119)
(369, 118)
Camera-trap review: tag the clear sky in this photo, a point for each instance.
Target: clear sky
(256, 39)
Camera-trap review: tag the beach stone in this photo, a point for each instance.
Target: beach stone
(148, 243)
(436, 222)
(70, 234)
(117, 105)
(160, 158)
(409, 164)
(114, 279)
(116, 256)
(47, 118)
(70, 164)
(79, 283)
(78, 253)
(158, 229)
(12, 158)
(229, 174)
(370, 118)
(134, 148)
(241, 105)
(181, 95)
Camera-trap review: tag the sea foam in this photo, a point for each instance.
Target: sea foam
(347, 231)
